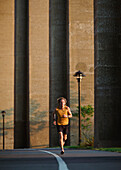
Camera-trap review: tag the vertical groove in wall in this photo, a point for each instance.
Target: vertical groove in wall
(67, 58)
(50, 111)
(67, 53)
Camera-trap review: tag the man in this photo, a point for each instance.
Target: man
(61, 117)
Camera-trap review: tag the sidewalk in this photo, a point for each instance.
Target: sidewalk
(74, 159)
(30, 153)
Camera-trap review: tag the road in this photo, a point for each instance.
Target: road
(50, 159)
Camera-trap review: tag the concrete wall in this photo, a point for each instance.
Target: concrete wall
(21, 83)
(58, 58)
(81, 56)
(107, 73)
(66, 54)
(39, 72)
(7, 70)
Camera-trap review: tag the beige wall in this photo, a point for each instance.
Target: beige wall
(81, 55)
(39, 73)
(7, 69)
(81, 45)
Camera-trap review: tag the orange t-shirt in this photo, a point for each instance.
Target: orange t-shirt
(60, 119)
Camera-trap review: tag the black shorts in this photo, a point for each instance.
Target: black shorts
(63, 129)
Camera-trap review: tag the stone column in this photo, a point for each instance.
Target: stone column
(58, 26)
(107, 73)
(21, 98)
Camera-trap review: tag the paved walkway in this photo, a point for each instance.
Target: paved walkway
(47, 159)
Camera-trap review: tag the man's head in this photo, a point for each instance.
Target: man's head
(61, 101)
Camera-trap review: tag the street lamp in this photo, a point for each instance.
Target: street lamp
(79, 75)
(3, 115)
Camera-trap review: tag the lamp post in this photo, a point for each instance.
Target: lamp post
(3, 115)
(79, 75)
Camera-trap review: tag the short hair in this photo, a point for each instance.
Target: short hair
(61, 98)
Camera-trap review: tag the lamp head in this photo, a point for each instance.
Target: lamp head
(79, 75)
(3, 113)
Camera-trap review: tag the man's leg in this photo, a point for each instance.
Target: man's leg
(64, 138)
(61, 140)
(65, 132)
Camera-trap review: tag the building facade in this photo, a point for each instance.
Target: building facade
(43, 43)
(107, 73)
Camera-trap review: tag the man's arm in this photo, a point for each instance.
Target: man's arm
(69, 113)
(54, 117)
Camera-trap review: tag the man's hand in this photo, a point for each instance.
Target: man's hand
(54, 122)
(65, 116)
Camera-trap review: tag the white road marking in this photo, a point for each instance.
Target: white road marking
(61, 163)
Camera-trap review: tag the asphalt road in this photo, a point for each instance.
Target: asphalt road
(50, 159)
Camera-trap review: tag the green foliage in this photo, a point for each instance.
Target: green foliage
(86, 124)
(109, 149)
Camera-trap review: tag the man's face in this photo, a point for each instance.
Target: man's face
(62, 102)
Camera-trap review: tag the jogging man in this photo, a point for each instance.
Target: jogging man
(61, 117)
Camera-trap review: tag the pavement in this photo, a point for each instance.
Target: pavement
(50, 158)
